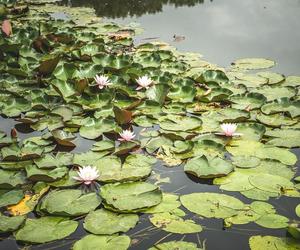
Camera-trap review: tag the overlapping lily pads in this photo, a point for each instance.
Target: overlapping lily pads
(47, 82)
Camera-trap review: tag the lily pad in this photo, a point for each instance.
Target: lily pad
(69, 202)
(105, 222)
(46, 229)
(174, 224)
(204, 167)
(213, 205)
(272, 243)
(9, 224)
(130, 196)
(98, 242)
(175, 245)
(254, 63)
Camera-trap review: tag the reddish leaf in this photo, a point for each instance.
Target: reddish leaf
(6, 27)
(13, 133)
(122, 116)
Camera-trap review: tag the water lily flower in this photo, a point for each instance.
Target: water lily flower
(87, 175)
(229, 130)
(143, 82)
(102, 81)
(126, 135)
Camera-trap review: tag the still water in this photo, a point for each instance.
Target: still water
(221, 30)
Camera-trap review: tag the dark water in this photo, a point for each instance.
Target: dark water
(222, 31)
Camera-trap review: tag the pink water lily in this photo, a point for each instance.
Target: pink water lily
(229, 130)
(143, 82)
(87, 175)
(102, 81)
(126, 135)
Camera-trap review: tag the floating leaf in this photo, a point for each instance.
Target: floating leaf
(97, 242)
(272, 243)
(46, 229)
(10, 197)
(174, 224)
(131, 196)
(213, 205)
(105, 222)
(175, 245)
(204, 167)
(253, 63)
(9, 224)
(69, 202)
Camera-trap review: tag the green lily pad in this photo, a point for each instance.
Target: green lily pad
(282, 105)
(180, 123)
(175, 245)
(274, 93)
(98, 242)
(213, 205)
(169, 203)
(174, 224)
(93, 128)
(297, 210)
(272, 221)
(48, 175)
(10, 224)
(45, 229)
(105, 222)
(204, 167)
(248, 101)
(273, 78)
(244, 161)
(273, 184)
(272, 243)
(10, 197)
(131, 196)
(9, 179)
(69, 202)
(253, 63)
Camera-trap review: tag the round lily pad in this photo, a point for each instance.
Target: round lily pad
(175, 245)
(70, 202)
(105, 222)
(46, 229)
(208, 168)
(270, 183)
(130, 196)
(99, 242)
(272, 243)
(254, 63)
(272, 221)
(174, 224)
(212, 205)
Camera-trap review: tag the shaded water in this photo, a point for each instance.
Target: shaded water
(222, 31)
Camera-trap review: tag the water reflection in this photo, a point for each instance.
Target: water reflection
(125, 8)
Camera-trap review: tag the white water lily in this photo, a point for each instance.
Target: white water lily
(102, 81)
(229, 130)
(143, 82)
(87, 175)
(126, 135)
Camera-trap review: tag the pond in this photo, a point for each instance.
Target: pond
(182, 179)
